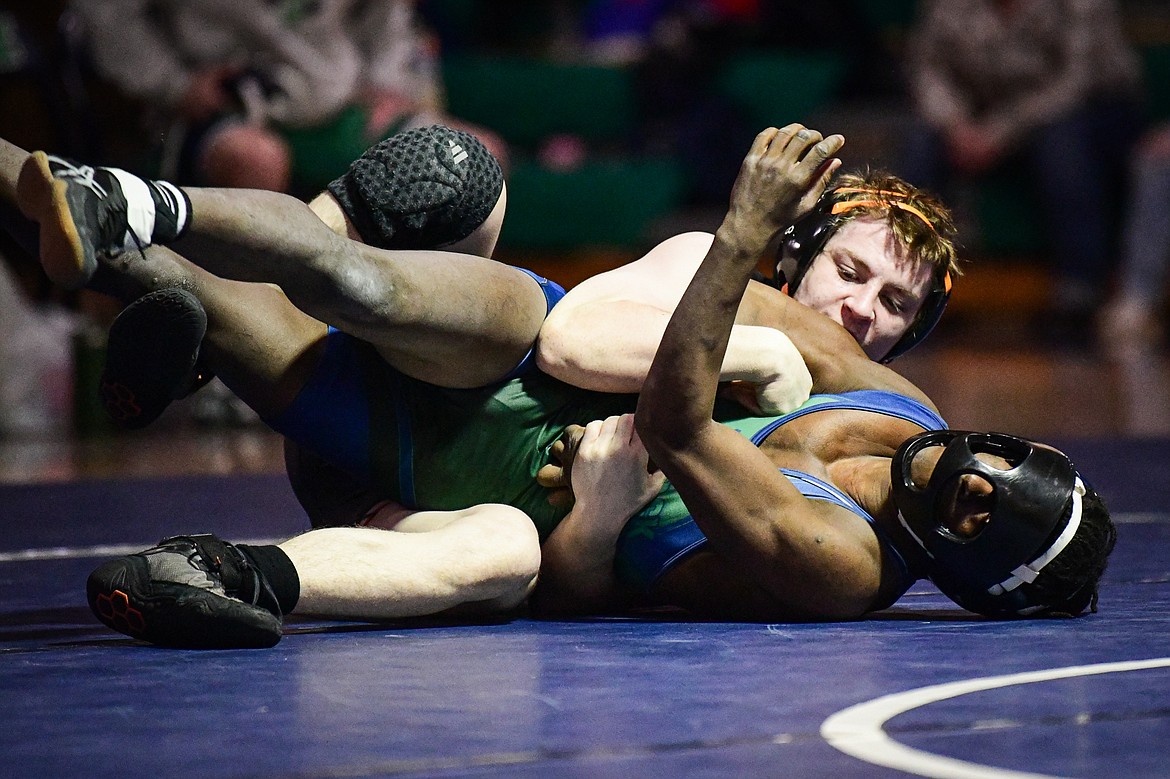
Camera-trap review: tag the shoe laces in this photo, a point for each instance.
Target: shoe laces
(112, 209)
(233, 569)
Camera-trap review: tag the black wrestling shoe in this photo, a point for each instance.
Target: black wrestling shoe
(152, 356)
(85, 212)
(190, 592)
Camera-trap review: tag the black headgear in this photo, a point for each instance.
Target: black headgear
(1031, 522)
(805, 239)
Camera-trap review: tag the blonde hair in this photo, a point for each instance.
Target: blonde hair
(920, 222)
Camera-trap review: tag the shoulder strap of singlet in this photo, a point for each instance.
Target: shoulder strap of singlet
(877, 401)
(817, 489)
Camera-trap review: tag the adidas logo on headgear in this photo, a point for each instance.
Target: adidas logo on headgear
(457, 152)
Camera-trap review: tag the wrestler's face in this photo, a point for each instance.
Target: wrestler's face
(966, 502)
(863, 281)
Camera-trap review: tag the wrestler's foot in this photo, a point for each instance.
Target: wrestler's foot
(153, 356)
(85, 212)
(192, 592)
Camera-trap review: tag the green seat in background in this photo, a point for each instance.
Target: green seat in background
(526, 100)
(779, 87)
(609, 203)
(612, 198)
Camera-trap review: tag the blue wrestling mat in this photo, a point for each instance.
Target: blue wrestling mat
(924, 689)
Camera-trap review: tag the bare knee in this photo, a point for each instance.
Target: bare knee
(248, 157)
(515, 550)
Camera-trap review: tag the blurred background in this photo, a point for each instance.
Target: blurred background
(1045, 125)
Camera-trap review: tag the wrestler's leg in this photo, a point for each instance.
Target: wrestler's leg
(479, 560)
(200, 592)
(263, 347)
(408, 191)
(450, 319)
(155, 342)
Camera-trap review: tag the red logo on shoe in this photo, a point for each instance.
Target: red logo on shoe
(116, 610)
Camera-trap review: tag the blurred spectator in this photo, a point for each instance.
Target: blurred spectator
(1051, 86)
(680, 52)
(618, 32)
(270, 94)
(1132, 320)
(35, 362)
(683, 113)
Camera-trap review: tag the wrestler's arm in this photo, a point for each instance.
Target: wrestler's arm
(610, 484)
(603, 334)
(835, 360)
(748, 510)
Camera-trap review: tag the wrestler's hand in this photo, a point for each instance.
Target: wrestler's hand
(783, 175)
(767, 373)
(557, 476)
(610, 477)
(771, 399)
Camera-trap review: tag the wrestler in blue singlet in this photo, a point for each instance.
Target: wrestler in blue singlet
(663, 534)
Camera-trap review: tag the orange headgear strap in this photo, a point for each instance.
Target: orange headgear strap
(868, 191)
(892, 199)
